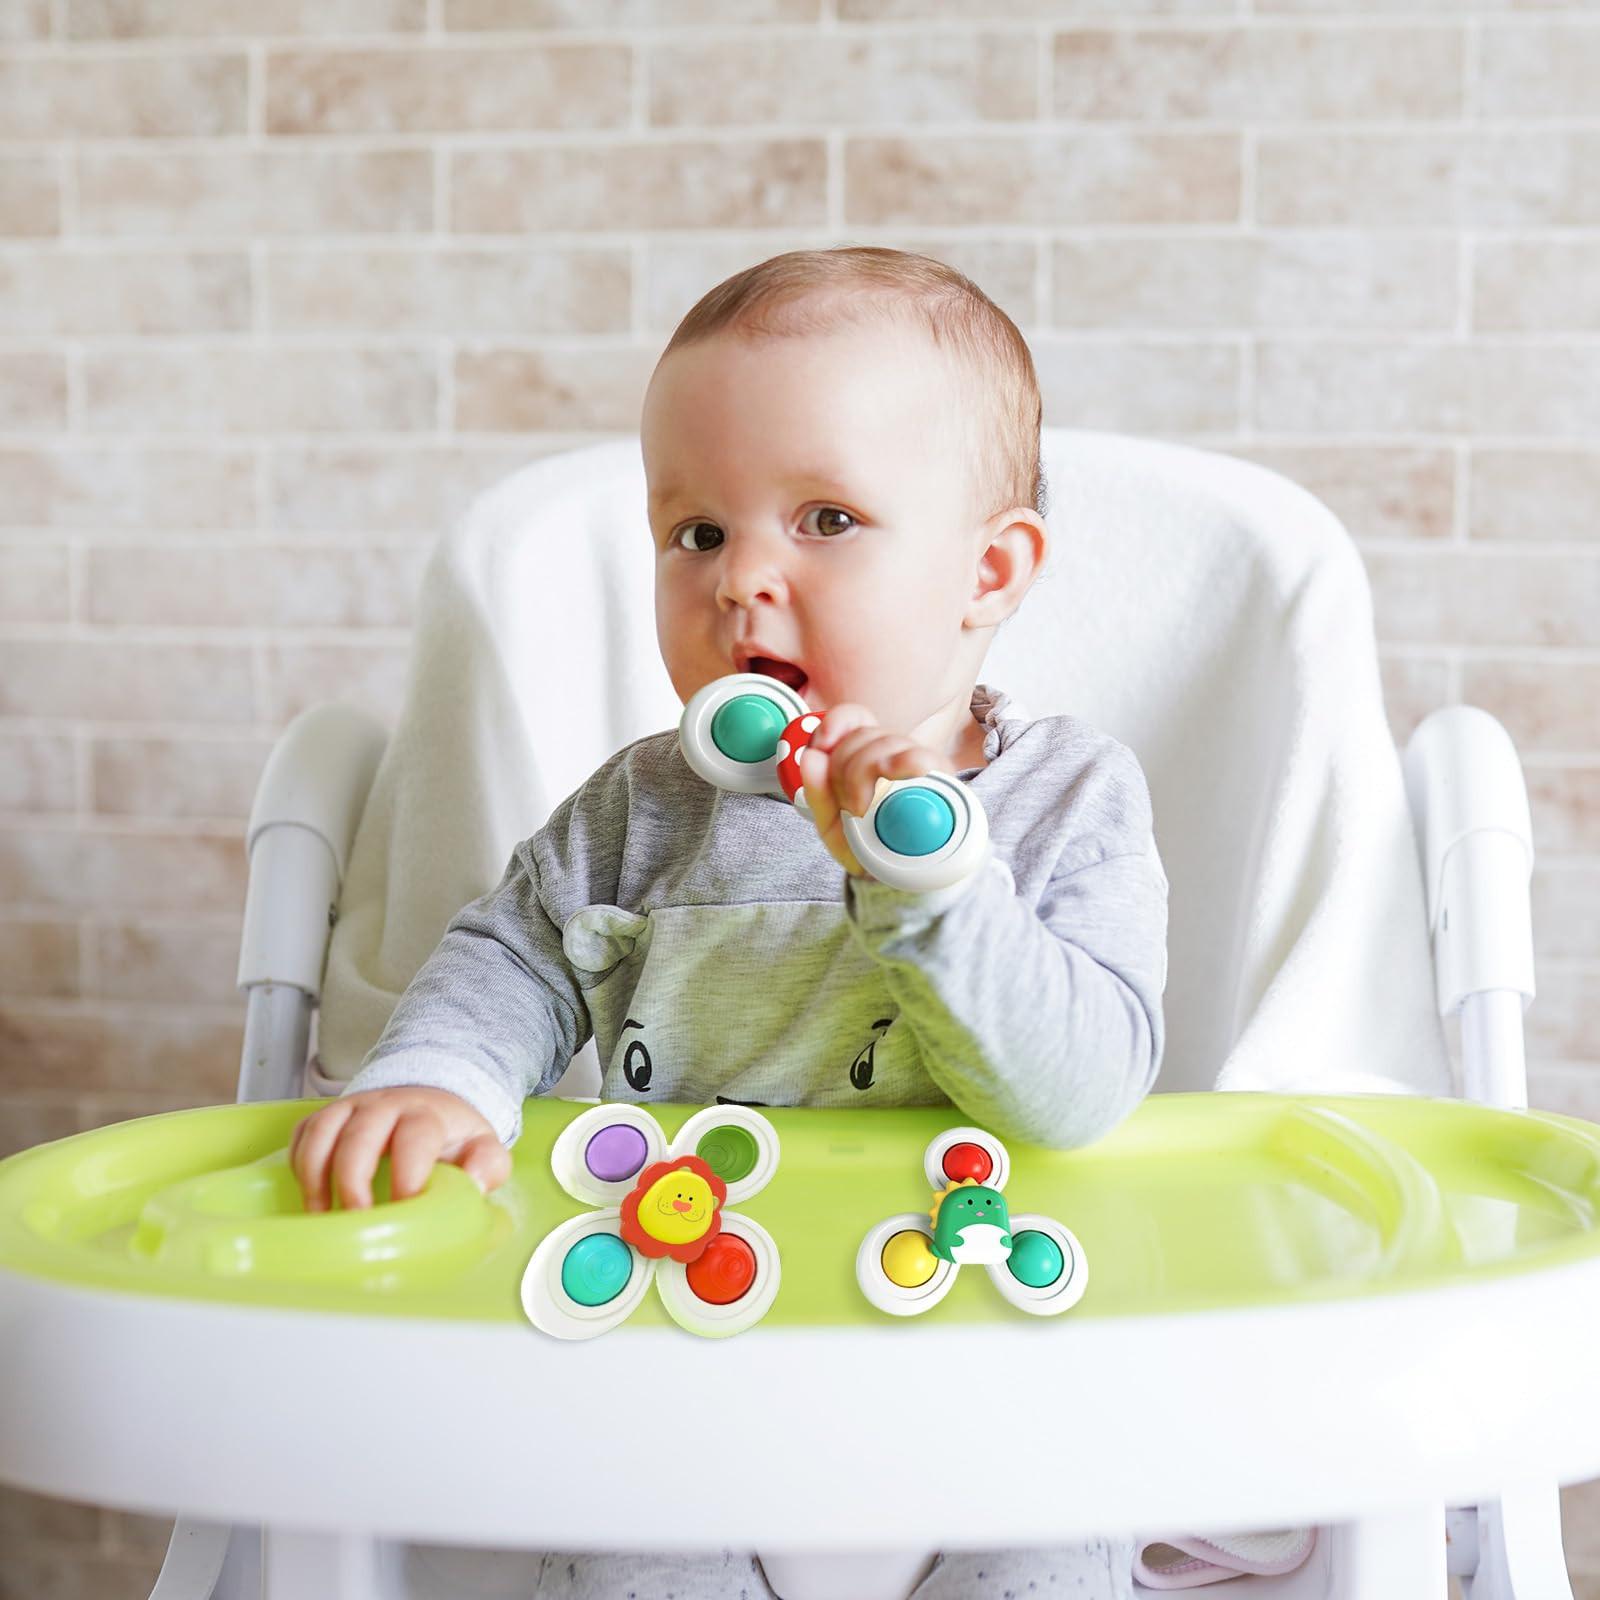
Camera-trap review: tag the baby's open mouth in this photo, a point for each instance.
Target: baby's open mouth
(783, 671)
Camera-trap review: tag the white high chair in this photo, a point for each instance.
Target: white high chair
(1174, 616)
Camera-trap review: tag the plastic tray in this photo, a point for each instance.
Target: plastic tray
(1196, 1201)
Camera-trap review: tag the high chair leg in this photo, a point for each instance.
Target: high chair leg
(297, 1564)
(858, 1575)
(1519, 1547)
(193, 1564)
(1392, 1555)
(210, 1561)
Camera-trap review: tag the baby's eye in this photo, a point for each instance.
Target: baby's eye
(693, 528)
(830, 527)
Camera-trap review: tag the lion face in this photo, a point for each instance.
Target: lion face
(677, 1207)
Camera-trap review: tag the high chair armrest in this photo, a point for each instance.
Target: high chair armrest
(1470, 808)
(308, 803)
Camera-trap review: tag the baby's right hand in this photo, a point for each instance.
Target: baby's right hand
(345, 1139)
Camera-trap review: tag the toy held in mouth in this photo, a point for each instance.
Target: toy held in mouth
(907, 1264)
(664, 1217)
(745, 732)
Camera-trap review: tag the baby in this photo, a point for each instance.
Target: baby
(845, 492)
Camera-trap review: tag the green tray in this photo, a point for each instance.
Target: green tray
(1195, 1201)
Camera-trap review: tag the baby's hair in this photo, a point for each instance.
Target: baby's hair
(815, 291)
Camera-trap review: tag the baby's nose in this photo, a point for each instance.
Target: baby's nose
(750, 574)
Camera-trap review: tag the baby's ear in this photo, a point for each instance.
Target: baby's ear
(1016, 544)
(596, 938)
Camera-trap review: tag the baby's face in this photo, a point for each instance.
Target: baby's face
(810, 502)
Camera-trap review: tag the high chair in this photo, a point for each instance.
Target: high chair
(1421, 1410)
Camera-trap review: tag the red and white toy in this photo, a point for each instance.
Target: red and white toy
(745, 733)
(795, 738)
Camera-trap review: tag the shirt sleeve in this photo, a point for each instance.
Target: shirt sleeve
(496, 1013)
(1041, 1021)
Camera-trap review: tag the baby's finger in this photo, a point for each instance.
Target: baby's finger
(419, 1137)
(845, 751)
(825, 812)
(310, 1148)
(814, 781)
(299, 1130)
(839, 720)
(855, 770)
(486, 1160)
(356, 1159)
(910, 761)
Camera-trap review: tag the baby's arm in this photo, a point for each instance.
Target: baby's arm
(1042, 1021)
(494, 1015)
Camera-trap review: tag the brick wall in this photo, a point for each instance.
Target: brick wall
(283, 282)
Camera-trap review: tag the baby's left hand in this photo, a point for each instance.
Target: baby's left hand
(841, 767)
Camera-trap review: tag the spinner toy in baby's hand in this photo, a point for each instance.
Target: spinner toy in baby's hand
(908, 1264)
(745, 732)
(664, 1216)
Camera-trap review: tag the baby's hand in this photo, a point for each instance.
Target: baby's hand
(345, 1139)
(842, 765)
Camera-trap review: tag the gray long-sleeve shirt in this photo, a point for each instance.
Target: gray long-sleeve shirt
(716, 951)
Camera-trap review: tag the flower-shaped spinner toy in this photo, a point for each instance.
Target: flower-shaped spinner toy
(664, 1216)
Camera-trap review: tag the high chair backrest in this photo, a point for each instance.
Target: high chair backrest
(1207, 612)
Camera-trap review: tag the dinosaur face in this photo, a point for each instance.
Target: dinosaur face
(970, 1223)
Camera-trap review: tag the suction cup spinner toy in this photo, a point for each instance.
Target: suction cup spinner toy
(908, 1264)
(665, 1216)
(745, 733)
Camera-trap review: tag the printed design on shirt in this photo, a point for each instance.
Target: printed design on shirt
(600, 941)
(636, 1060)
(758, 1003)
(861, 1067)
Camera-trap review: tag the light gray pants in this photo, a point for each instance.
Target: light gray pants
(1097, 1569)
